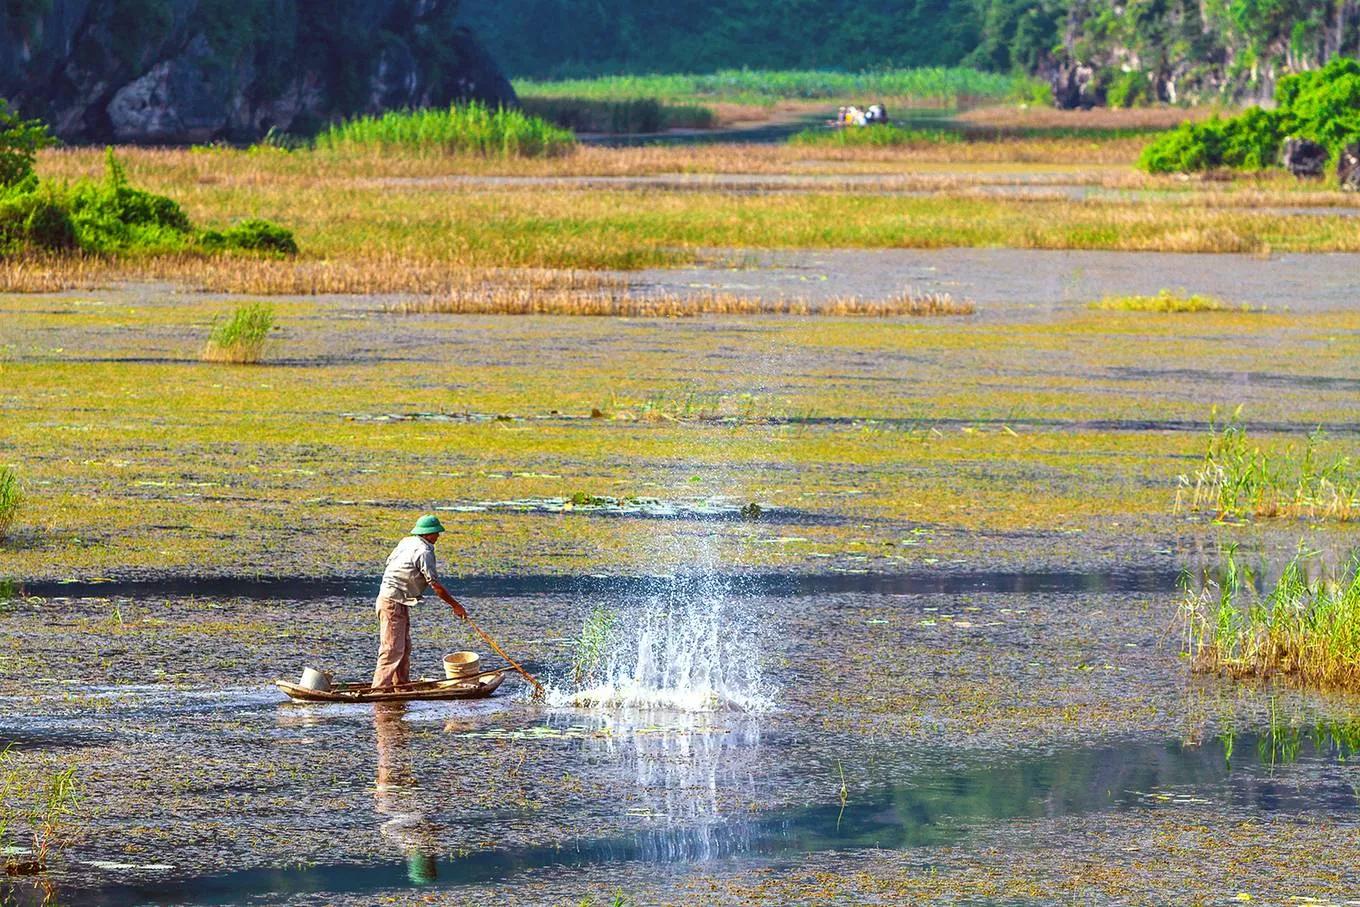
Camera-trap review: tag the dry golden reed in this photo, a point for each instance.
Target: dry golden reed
(613, 298)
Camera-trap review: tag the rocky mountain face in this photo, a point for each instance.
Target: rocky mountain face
(186, 71)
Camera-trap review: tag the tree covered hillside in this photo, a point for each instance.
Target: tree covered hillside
(1129, 51)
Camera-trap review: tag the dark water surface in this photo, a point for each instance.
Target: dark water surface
(1132, 579)
(933, 803)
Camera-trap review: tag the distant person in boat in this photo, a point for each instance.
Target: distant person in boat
(410, 571)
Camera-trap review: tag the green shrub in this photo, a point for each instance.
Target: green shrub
(11, 498)
(252, 236)
(20, 141)
(241, 338)
(473, 129)
(1250, 141)
(111, 217)
(35, 220)
(1322, 105)
(1130, 89)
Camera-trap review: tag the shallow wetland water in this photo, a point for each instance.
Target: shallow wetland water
(911, 724)
(939, 660)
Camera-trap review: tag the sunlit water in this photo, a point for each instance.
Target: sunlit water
(695, 649)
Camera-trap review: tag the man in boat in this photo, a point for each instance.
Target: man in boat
(410, 571)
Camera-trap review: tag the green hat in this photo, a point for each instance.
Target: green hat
(427, 525)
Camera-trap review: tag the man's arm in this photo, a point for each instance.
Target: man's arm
(443, 593)
(427, 567)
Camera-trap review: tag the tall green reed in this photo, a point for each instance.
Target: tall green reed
(11, 499)
(1238, 478)
(241, 338)
(1304, 628)
(468, 129)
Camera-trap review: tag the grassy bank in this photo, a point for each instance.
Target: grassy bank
(419, 219)
(925, 87)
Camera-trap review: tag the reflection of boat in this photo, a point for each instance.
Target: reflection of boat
(478, 686)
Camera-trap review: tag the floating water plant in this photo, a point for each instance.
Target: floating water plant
(1238, 479)
(11, 499)
(1302, 628)
(1164, 301)
(241, 338)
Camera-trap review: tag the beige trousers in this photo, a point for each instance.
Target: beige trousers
(394, 643)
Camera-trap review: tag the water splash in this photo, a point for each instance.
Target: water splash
(691, 647)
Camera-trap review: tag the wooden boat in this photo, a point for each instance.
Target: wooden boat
(478, 686)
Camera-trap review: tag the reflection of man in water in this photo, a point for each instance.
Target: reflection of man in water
(395, 792)
(409, 572)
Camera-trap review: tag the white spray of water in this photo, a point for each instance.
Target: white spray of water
(691, 648)
(691, 644)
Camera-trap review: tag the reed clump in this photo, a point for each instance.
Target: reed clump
(44, 805)
(1237, 479)
(591, 295)
(241, 338)
(467, 129)
(1302, 628)
(11, 499)
(1165, 301)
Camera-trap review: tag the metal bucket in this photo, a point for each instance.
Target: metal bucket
(313, 679)
(462, 664)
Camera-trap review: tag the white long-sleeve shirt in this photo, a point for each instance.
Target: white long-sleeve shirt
(410, 570)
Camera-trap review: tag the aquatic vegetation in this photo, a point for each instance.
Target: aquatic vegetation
(1164, 301)
(1238, 478)
(877, 136)
(41, 805)
(1305, 629)
(472, 129)
(11, 499)
(241, 338)
(582, 499)
(619, 900)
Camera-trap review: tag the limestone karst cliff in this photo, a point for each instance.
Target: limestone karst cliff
(181, 71)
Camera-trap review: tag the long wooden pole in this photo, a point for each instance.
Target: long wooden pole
(538, 687)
